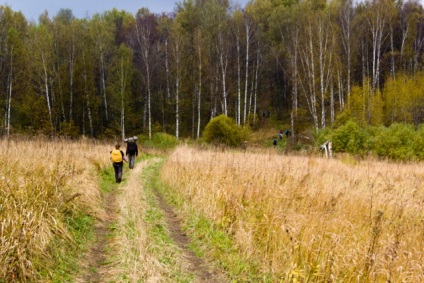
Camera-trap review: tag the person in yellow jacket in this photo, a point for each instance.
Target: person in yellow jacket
(117, 157)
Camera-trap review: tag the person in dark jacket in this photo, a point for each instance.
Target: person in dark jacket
(132, 152)
(117, 157)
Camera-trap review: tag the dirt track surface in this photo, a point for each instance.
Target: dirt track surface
(95, 267)
(196, 265)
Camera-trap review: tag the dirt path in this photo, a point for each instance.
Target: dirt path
(96, 257)
(95, 268)
(197, 266)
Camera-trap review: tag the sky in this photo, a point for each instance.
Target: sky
(32, 9)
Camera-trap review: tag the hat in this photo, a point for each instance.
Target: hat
(131, 139)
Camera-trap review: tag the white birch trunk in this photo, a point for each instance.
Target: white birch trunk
(377, 26)
(346, 24)
(46, 89)
(223, 62)
(246, 70)
(177, 90)
(310, 62)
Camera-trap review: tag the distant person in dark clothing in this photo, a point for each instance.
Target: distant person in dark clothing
(266, 114)
(287, 132)
(132, 152)
(274, 143)
(118, 158)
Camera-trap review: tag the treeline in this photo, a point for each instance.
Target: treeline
(306, 61)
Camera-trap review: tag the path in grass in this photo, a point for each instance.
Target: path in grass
(197, 266)
(97, 265)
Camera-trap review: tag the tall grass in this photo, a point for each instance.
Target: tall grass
(42, 182)
(307, 218)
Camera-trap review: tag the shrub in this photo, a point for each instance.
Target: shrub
(161, 140)
(418, 143)
(224, 130)
(349, 138)
(395, 142)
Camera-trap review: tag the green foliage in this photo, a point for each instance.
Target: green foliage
(65, 254)
(68, 129)
(395, 142)
(224, 130)
(349, 138)
(161, 140)
(418, 143)
(322, 136)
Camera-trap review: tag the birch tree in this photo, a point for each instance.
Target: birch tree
(176, 54)
(102, 34)
(217, 23)
(42, 50)
(121, 74)
(86, 68)
(237, 18)
(198, 43)
(14, 51)
(146, 37)
(345, 20)
(378, 17)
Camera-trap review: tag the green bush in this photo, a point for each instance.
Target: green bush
(418, 143)
(395, 142)
(160, 140)
(350, 138)
(321, 136)
(224, 130)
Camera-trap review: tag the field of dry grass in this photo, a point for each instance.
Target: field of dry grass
(309, 218)
(40, 182)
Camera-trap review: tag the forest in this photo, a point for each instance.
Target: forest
(308, 62)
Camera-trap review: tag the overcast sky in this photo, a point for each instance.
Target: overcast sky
(82, 8)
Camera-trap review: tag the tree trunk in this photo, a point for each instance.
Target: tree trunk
(247, 70)
(177, 91)
(199, 92)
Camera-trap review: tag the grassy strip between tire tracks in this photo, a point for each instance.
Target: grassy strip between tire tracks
(141, 249)
(207, 240)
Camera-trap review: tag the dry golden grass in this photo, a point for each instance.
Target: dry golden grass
(39, 181)
(308, 218)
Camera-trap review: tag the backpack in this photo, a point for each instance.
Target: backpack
(116, 156)
(131, 147)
